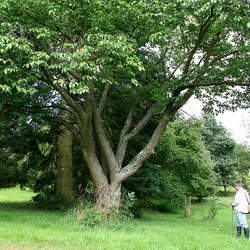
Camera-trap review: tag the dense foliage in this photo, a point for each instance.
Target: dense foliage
(242, 172)
(222, 148)
(182, 151)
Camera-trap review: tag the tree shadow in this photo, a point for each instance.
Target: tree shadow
(27, 205)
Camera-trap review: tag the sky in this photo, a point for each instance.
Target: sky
(237, 123)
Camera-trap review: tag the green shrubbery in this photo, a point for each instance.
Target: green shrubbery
(86, 213)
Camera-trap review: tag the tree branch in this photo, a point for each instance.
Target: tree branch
(71, 128)
(203, 29)
(104, 143)
(216, 59)
(103, 99)
(121, 148)
(62, 91)
(227, 82)
(144, 121)
(137, 161)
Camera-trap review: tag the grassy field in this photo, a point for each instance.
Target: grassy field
(23, 227)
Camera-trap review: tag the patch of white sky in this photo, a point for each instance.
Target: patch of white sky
(237, 122)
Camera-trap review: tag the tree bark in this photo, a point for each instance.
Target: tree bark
(188, 207)
(108, 198)
(64, 178)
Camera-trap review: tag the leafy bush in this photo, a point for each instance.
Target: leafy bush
(128, 208)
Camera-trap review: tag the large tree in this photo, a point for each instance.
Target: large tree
(159, 53)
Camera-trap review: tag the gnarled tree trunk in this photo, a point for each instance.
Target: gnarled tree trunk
(108, 198)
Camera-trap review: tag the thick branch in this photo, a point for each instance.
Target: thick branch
(144, 121)
(128, 120)
(72, 129)
(136, 163)
(122, 145)
(103, 99)
(89, 154)
(170, 111)
(104, 143)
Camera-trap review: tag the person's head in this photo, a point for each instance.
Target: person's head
(238, 185)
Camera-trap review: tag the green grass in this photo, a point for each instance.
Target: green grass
(24, 227)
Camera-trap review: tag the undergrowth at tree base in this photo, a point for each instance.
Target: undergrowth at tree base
(87, 213)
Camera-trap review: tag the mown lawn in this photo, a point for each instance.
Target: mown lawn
(24, 227)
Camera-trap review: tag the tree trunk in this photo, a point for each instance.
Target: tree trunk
(64, 178)
(108, 199)
(225, 188)
(188, 207)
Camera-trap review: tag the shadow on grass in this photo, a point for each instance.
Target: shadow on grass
(225, 194)
(18, 205)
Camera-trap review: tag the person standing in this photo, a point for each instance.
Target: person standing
(240, 206)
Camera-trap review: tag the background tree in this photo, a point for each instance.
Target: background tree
(182, 151)
(180, 168)
(222, 148)
(161, 53)
(243, 164)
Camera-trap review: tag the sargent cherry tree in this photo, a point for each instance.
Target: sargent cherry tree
(158, 53)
